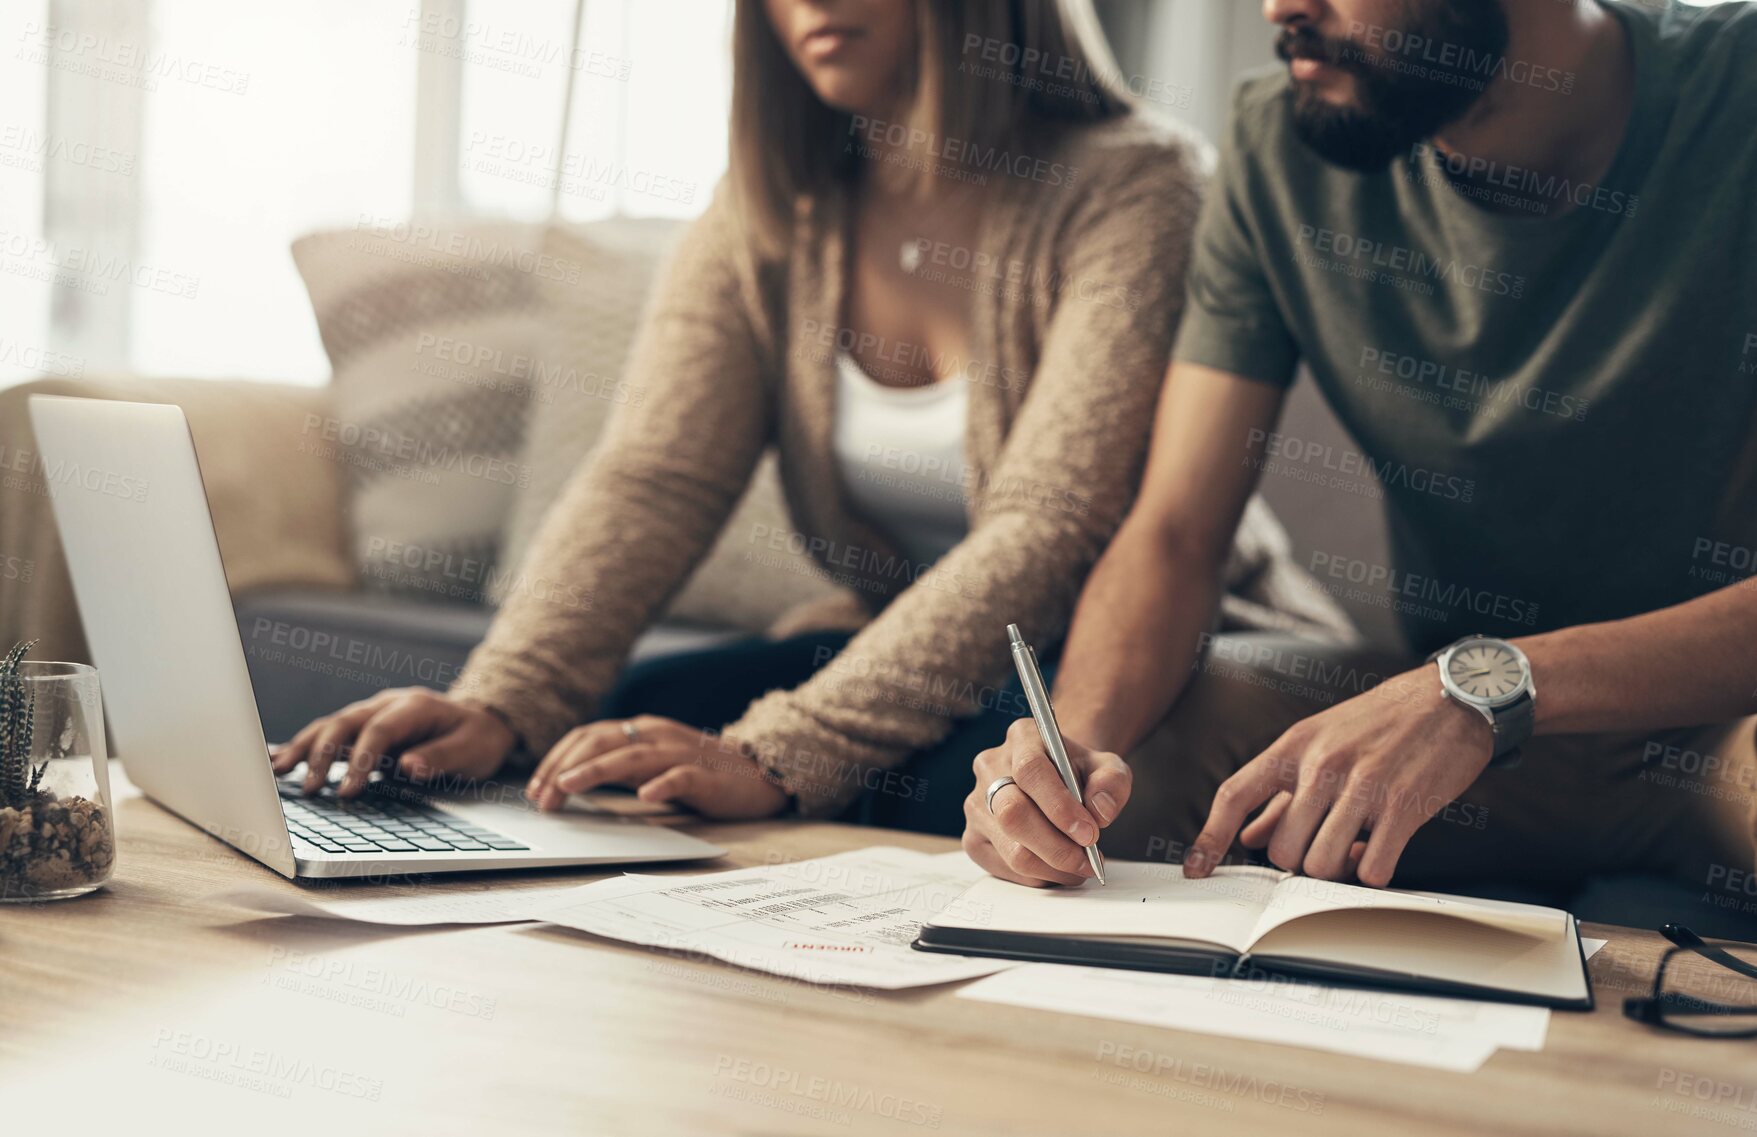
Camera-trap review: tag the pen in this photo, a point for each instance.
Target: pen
(1038, 696)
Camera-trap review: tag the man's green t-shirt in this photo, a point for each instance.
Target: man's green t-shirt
(1562, 409)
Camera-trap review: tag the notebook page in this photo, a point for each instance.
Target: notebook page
(1145, 900)
(1434, 947)
(1299, 896)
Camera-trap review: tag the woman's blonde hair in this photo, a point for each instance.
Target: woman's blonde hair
(984, 69)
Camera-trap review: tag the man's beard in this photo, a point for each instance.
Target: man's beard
(1405, 93)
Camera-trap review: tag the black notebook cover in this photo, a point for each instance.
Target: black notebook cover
(1184, 960)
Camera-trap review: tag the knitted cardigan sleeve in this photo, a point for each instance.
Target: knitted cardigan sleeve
(643, 510)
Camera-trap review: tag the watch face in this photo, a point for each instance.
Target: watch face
(1487, 671)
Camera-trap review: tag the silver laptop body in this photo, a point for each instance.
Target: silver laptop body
(139, 539)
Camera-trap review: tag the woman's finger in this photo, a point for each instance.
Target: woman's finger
(630, 766)
(397, 723)
(714, 792)
(982, 852)
(1030, 867)
(332, 742)
(284, 758)
(579, 743)
(466, 750)
(1020, 822)
(288, 756)
(1042, 783)
(556, 754)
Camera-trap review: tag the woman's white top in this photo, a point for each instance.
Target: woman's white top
(900, 451)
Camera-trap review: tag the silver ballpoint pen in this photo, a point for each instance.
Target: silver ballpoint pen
(1037, 694)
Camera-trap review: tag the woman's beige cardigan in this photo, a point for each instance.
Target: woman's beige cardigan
(1077, 281)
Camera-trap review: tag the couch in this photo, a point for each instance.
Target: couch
(356, 565)
(360, 556)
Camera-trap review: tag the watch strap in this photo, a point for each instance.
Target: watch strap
(1513, 725)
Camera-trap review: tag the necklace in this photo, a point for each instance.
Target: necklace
(909, 253)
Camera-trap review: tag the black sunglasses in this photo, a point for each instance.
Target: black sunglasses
(1686, 1013)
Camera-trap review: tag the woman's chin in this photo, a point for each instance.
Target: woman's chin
(850, 94)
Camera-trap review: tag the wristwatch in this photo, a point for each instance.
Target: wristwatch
(1493, 678)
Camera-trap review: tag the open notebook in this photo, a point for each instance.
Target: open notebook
(1247, 921)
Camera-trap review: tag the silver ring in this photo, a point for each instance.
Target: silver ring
(996, 787)
(630, 731)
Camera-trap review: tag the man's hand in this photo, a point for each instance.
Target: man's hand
(1347, 788)
(665, 761)
(1038, 833)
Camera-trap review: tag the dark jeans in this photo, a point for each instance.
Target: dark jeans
(710, 689)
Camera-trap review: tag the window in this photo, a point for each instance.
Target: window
(182, 145)
(25, 350)
(652, 91)
(316, 130)
(158, 157)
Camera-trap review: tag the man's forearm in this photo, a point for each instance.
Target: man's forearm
(1134, 638)
(1688, 665)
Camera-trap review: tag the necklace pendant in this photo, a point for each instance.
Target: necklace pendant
(909, 257)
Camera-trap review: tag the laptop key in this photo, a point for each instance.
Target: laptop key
(498, 844)
(430, 845)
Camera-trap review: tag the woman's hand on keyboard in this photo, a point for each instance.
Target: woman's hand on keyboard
(422, 732)
(666, 761)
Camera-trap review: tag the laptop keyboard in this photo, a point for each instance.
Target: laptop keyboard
(381, 823)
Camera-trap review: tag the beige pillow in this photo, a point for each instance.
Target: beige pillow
(429, 332)
(595, 324)
(276, 508)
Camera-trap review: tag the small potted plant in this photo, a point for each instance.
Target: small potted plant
(56, 835)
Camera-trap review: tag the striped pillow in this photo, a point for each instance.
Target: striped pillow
(429, 332)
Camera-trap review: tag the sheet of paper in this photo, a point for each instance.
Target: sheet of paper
(500, 906)
(1592, 946)
(847, 919)
(1444, 1034)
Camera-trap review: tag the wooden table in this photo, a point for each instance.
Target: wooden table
(145, 1009)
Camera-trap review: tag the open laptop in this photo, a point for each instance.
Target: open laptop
(134, 520)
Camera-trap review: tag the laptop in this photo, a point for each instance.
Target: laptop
(140, 545)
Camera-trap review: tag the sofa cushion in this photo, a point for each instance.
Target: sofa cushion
(276, 507)
(313, 651)
(429, 333)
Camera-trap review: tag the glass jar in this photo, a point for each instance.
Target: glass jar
(57, 829)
